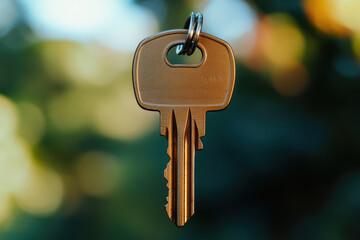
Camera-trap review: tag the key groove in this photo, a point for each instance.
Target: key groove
(187, 163)
(174, 166)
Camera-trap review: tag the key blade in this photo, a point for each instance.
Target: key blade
(183, 137)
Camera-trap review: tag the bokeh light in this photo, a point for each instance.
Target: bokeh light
(279, 52)
(37, 190)
(98, 174)
(282, 42)
(8, 16)
(347, 13)
(14, 164)
(42, 192)
(336, 17)
(291, 82)
(117, 115)
(356, 46)
(5, 207)
(71, 110)
(233, 21)
(104, 21)
(8, 118)
(32, 122)
(77, 63)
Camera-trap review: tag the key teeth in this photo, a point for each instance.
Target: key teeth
(197, 136)
(167, 172)
(200, 144)
(166, 176)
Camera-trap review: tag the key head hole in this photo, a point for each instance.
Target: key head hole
(174, 60)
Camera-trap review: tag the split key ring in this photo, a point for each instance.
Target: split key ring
(194, 24)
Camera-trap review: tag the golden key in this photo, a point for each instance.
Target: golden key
(183, 94)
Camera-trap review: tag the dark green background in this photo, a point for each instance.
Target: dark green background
(273, 167)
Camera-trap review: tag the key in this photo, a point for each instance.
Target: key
(182, 94)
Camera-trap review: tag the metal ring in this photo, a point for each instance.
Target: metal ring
(191, 25)
(199, 23)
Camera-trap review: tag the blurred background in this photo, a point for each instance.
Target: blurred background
(80, 160)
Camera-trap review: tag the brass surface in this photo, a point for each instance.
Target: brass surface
(182, 94)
